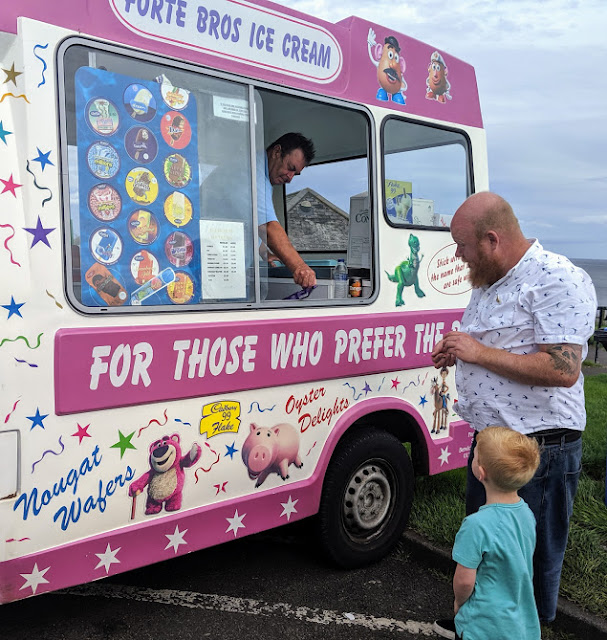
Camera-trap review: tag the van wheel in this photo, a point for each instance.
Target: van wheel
(366, 499)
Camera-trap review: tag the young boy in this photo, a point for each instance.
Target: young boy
(493, 582)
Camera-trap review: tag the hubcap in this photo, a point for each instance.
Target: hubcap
(367, 500)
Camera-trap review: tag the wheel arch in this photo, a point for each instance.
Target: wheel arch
(397, 416)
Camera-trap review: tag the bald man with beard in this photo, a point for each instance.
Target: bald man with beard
(519, 354)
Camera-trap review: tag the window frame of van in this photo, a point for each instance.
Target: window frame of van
(465, 142)
(251, 85)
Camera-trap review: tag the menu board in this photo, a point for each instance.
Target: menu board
(139, 191)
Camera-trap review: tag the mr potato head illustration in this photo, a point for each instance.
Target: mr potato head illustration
(437, 85)
(390, 68)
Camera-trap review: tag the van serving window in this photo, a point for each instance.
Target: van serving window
(163, 187)
(426, 173)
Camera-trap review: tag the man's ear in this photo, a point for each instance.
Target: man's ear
(493, 238)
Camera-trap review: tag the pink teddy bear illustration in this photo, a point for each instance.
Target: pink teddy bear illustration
(166, 476)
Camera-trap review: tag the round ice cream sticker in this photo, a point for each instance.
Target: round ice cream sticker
(181, 289)
(174, 97)
(143, 227)
(179, 249)
(178, 209)
(175, 130)
(141, 185)
(105, 202)
(141, 144)
(144, 266)
(103, 160)
(177, 171)
(106, 245)
(139, 103)
(102, 116)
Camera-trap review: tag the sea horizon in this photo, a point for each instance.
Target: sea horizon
(597, 270)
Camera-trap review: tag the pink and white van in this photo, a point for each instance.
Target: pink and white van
(164, 390)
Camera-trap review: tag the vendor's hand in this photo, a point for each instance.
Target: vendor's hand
(304, 276)
(271, 259)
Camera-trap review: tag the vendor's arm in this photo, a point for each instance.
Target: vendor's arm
(554, 365)
(280, 245)
(463, 585)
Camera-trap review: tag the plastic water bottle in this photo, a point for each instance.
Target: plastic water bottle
(340, 280)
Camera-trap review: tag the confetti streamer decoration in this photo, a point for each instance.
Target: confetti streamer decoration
(259, 408)
(14, 96)
(10, 413)
(50, 451)
(15, 540)
(29, 364)
(152, 421)
(206, 444)
(41, 46)
(4, 226)
(50, 295)
(354, 396)
(24, 339)
(47, 199)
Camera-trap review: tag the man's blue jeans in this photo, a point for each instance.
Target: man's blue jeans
(550, 496)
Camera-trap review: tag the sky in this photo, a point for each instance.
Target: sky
(541, 78)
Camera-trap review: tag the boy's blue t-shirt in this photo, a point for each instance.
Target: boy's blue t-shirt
(498, 541)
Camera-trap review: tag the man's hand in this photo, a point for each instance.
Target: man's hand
(279, 245)
(552, 365)
(459, 345)
(304, 276)
(441, 358)
(271, 259)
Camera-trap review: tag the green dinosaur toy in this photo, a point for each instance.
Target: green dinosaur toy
(406, 272)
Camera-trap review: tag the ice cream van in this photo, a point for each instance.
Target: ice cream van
(162, 388)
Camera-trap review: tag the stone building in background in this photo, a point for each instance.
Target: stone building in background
(315, 224)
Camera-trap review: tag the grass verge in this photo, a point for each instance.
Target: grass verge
(438, 510)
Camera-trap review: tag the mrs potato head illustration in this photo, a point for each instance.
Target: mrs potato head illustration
(390, 68)
(437, 85)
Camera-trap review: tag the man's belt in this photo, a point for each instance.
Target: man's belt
(555, 436)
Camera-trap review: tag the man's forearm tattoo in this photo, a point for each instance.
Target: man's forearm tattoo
(566, 357)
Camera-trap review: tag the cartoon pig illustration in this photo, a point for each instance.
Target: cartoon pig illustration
(268, 450)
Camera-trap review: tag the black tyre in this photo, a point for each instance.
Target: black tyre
(366, 498)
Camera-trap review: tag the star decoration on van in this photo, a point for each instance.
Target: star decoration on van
(366, 388)
(13, 308)
(422, 400)
(34, 579)
(108, 558)
(43, 159)
(37, 419)
(11, 75)
(4, 132)
(220, 487)
(40, 233)
(236, 522)
(10, 185)
(231, 449)
(288, 508)
(395, 383)
(176, 539)
(124, 443)
(444, 456)
(82, 433)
